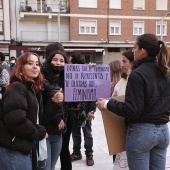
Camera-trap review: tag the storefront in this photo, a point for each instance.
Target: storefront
(90, 54)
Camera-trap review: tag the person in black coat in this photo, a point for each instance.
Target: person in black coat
(87, 110)
(55, 112)
(146, 108)
(22, 105)
(65, 158)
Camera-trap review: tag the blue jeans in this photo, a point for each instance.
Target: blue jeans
(14, 160)
(146, 146)
(54, 144)
(88, 139)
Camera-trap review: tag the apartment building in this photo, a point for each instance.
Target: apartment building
(100, 30)
(4, 26)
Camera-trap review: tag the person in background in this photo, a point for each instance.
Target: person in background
(22, 103)
(65, 158)
(4, 63)
(115, 76)
(42, 60)
(12, 62)
(120, 88)
(115, 73)
(127, 60)
(55, 111)
(89, 109)
(4, 80)
(146, 107)
(53, 47)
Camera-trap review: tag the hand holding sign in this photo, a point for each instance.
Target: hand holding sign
(100, 103)
(58, 97)
(92, 64)
(86, 82)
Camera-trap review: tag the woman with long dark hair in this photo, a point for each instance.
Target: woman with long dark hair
(55, 111)
(65, 158)
(146, 107)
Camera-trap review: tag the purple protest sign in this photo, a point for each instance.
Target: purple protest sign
(85, 83)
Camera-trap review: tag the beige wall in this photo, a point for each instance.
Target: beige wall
(110, 56)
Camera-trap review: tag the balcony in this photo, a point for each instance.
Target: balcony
(56, 7)
(44, 36)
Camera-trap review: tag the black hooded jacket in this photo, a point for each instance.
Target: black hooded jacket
(53, 112)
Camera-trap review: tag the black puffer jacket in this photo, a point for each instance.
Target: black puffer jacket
(147, 98)
(18, 123)
(53, 112)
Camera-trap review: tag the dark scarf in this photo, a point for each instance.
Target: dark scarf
(49, 74)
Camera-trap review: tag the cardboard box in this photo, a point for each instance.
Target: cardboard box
(115, 130)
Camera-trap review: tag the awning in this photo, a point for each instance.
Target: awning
(85, 50)
(27, 48)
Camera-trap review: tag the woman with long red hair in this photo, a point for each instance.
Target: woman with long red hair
(22, 106)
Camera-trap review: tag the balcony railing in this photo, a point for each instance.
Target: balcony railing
(59, 6)
(43, 36)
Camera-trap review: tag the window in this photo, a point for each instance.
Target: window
(115, 4)
(88, 3)
(138, 28)
(113, 49)
(161, 5)
(87, 27)
(138, 4)
(159, 28)
(115, 27)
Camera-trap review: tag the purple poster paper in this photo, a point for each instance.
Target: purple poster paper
(85, 83)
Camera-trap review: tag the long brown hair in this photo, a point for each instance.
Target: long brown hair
(115, 70)
(155, 48)
(52, 54)
(17, 72)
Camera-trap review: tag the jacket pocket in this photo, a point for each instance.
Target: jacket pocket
(9, 141)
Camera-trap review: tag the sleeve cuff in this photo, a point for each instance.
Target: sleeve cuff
(105, 104)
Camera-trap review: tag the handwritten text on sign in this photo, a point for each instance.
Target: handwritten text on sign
(85, 83)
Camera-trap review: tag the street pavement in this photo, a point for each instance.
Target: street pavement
(102, 159)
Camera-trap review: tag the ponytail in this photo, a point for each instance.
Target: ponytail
(163, 58)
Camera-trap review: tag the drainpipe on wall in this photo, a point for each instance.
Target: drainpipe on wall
(59, 27)
(107, 22)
